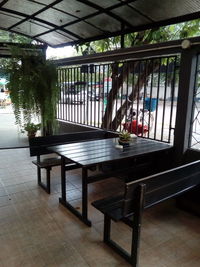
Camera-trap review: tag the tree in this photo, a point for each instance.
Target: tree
(162, 34)
(14, 38)
(156, 35)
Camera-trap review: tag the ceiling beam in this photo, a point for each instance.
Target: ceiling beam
(100, 11)
(141, 14)
(5, 51)
(36, 19)
(153, 25)
(107, 11)
(3, 3)
(35, 14)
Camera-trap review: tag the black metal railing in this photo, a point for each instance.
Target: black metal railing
(195, 123)
(136, 95)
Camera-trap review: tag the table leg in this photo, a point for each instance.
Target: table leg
(63, 200)
(63, 179)
(84, 193)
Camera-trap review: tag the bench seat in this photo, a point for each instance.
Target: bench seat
(52, 162)
(47, 162)
(141, 194)
(112, 206)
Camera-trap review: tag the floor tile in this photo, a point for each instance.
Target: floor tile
(36, 230)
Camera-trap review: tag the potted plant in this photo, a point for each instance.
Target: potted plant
(124, 138)
(33, 89)
(31, 129)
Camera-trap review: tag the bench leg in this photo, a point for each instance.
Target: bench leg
(137, 221)
(136, 228)
(107, 231)
(47, 186)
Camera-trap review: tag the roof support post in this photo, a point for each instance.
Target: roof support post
(122, 41)
(185, 102)
(122, 36)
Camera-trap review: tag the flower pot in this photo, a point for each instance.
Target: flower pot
(123, 142)
(31, 134)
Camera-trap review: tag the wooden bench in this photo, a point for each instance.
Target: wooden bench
(38, 146)
(142, 194)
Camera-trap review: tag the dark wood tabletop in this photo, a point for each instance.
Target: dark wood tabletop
(98, 151)
(90, 153)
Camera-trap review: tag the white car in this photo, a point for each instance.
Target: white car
(79, 98)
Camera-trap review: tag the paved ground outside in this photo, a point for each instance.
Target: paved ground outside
(10, 135)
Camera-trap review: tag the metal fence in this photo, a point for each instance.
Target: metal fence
(195, 123)
(134, 95)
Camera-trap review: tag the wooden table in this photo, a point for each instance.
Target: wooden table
(91, 153)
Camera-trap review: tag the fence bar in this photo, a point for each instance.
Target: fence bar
(157, 96)
(164, 106)
(85, 92)
(172, 96)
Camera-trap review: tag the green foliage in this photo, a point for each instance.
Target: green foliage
(31, 127)
(6, 36)
(156, 35)
(13, 38)
(125, 136)
(4, 63)
(33, 87)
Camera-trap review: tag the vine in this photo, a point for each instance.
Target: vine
(33, 88)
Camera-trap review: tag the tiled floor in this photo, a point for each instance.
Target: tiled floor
(36, 231)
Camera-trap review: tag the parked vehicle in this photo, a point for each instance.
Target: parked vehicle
(73, 87)
(95, 85)
(93, 96)
(71, 98)
(73, 92)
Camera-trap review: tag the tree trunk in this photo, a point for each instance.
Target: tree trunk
(117, 81)
(143, 78)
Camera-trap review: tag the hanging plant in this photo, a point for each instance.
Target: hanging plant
(33, 88)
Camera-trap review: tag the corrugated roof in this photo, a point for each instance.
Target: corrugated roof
(63, 22)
